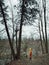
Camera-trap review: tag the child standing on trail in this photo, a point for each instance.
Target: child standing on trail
(30, 53)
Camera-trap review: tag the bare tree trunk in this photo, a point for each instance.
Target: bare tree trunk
(42, 28)
(16, 38)
(41, 39)
(20, 32)
(40, 14)
(13, 25)
(12, 41)
(13, 32)
(46, 42)
(12, 50)
(12, 21)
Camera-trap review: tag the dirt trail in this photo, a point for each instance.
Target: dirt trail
(40, 60)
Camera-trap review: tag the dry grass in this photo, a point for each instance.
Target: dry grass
(40, 60)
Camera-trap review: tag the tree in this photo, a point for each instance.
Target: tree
(40, 37)
(21, 23)
(26, 14)
(5, 23)
(16, 38)
(44, 8)
(12, 19)
(42, 31)
(40, 17)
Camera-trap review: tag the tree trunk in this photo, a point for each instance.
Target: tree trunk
(12, 40)
(42, 28)
(46, 42)
(41, 39)
(20, 32)
(12, 23)
(16, 38)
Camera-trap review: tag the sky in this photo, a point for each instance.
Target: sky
(27, 30)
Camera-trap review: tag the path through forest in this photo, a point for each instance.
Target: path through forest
(40, 60)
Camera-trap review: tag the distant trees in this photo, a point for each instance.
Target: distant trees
(44, 34)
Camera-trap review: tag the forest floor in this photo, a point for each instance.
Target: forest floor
(39, 60)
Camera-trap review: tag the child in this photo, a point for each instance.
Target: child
(30, 53)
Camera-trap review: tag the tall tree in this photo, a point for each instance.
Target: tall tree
(42, 30)
(44, 8)
(40, 37)
(5, 23)
(26, 14)
(40, 15)
(12, 19)
(21, 23)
